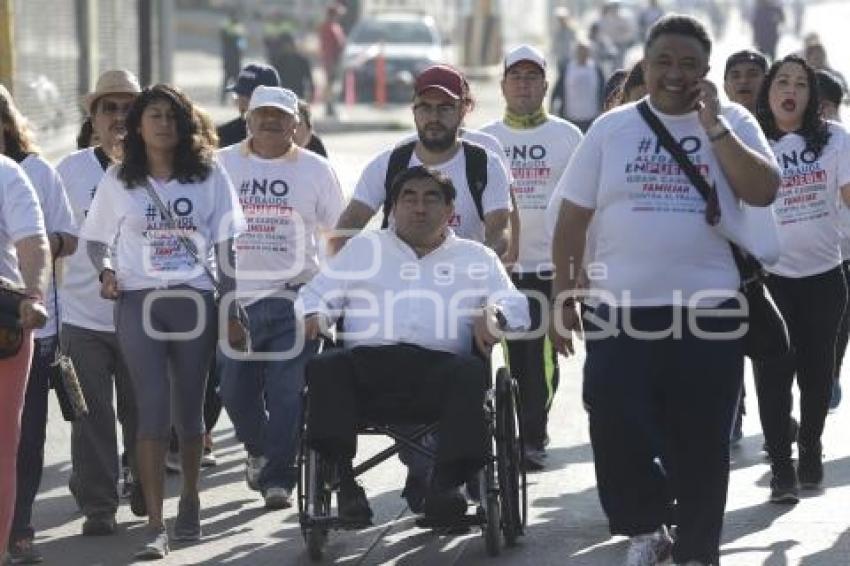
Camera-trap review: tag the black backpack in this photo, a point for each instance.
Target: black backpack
(476, 173)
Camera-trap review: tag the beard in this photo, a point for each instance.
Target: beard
(439, 143)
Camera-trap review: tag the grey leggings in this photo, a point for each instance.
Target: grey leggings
(165, 368)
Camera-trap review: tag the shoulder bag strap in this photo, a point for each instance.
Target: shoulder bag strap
(184, 240)
(708, 192)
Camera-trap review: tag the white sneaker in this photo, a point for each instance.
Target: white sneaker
(651, 549)
(253, 467)
(277, 498)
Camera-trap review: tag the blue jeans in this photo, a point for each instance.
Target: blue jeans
(263, 398)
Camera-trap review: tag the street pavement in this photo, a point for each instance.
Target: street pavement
(566, 524)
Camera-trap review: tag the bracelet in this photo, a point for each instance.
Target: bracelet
(721, 134)
(100, 275)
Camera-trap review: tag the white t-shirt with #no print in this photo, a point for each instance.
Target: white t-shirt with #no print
(651, 234)
(808, 202)
(82, 304)
(57, 218)
(537, 157)
(20, 216)
(148, 253)
(466, 222)
(287, 203)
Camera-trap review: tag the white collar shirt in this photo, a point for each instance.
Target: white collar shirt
(388, 295)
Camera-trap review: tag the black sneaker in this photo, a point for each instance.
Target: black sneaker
(783, 485)
(810, 468)
(99, 525)
(137, 500)
(445, 506)
(415, 489)
(352, 505)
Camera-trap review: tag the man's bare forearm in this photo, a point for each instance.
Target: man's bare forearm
(568, 246)
(353, 219)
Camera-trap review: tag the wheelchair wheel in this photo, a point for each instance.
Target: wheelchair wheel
(316, 501)
(492, 534)
(509, 456)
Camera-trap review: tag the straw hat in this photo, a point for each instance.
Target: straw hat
(116, 81)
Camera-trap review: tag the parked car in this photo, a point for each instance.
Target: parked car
(408, 42)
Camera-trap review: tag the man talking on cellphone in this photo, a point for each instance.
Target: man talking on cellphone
(663, 366)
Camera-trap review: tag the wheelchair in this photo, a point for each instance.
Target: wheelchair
(500, 509)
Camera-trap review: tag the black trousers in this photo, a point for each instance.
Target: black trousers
(660, 413)
(400, 384)
(844, 327)
(534, 363)
(812, 308)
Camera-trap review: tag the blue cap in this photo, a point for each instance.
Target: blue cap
(253, 75)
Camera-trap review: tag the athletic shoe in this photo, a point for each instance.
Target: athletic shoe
(187, 525)
(810, 468)
(445, 506)
(99, 525)
(137, 500)
(783, 485)
(23, 552)
(352, 505)
(253, 468)
(154, 545)
(208, 458)
(534, 459)
(415, 489)
(650, 549)
(835, 400)
(277, 498)
(172, 462)
(126, 481)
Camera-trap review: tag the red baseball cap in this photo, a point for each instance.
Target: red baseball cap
(442, 77)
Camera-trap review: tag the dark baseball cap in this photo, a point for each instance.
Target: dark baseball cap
(253, 75)
(442, 77)
(746, 56)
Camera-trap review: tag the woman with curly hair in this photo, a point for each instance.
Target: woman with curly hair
(17, 143)
(164, 312)
(806, 283)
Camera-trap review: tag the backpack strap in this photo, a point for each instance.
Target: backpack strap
(476, 173)
(475, 157)
(399, 161)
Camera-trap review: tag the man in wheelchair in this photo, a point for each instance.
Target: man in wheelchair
(422, 310)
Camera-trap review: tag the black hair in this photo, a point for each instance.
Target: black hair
(305, 114)
(745, 56)
(814, 130)
(422, 172)
(829, 86)
(614, 85)
(193, 155)
(678, 24)
(84, 136)
(634, 79)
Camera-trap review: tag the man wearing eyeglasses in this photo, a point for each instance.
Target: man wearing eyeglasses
(88, 330)
(438, 111)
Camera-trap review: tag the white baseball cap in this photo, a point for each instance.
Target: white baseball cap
(274, 97)
(525, 53)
